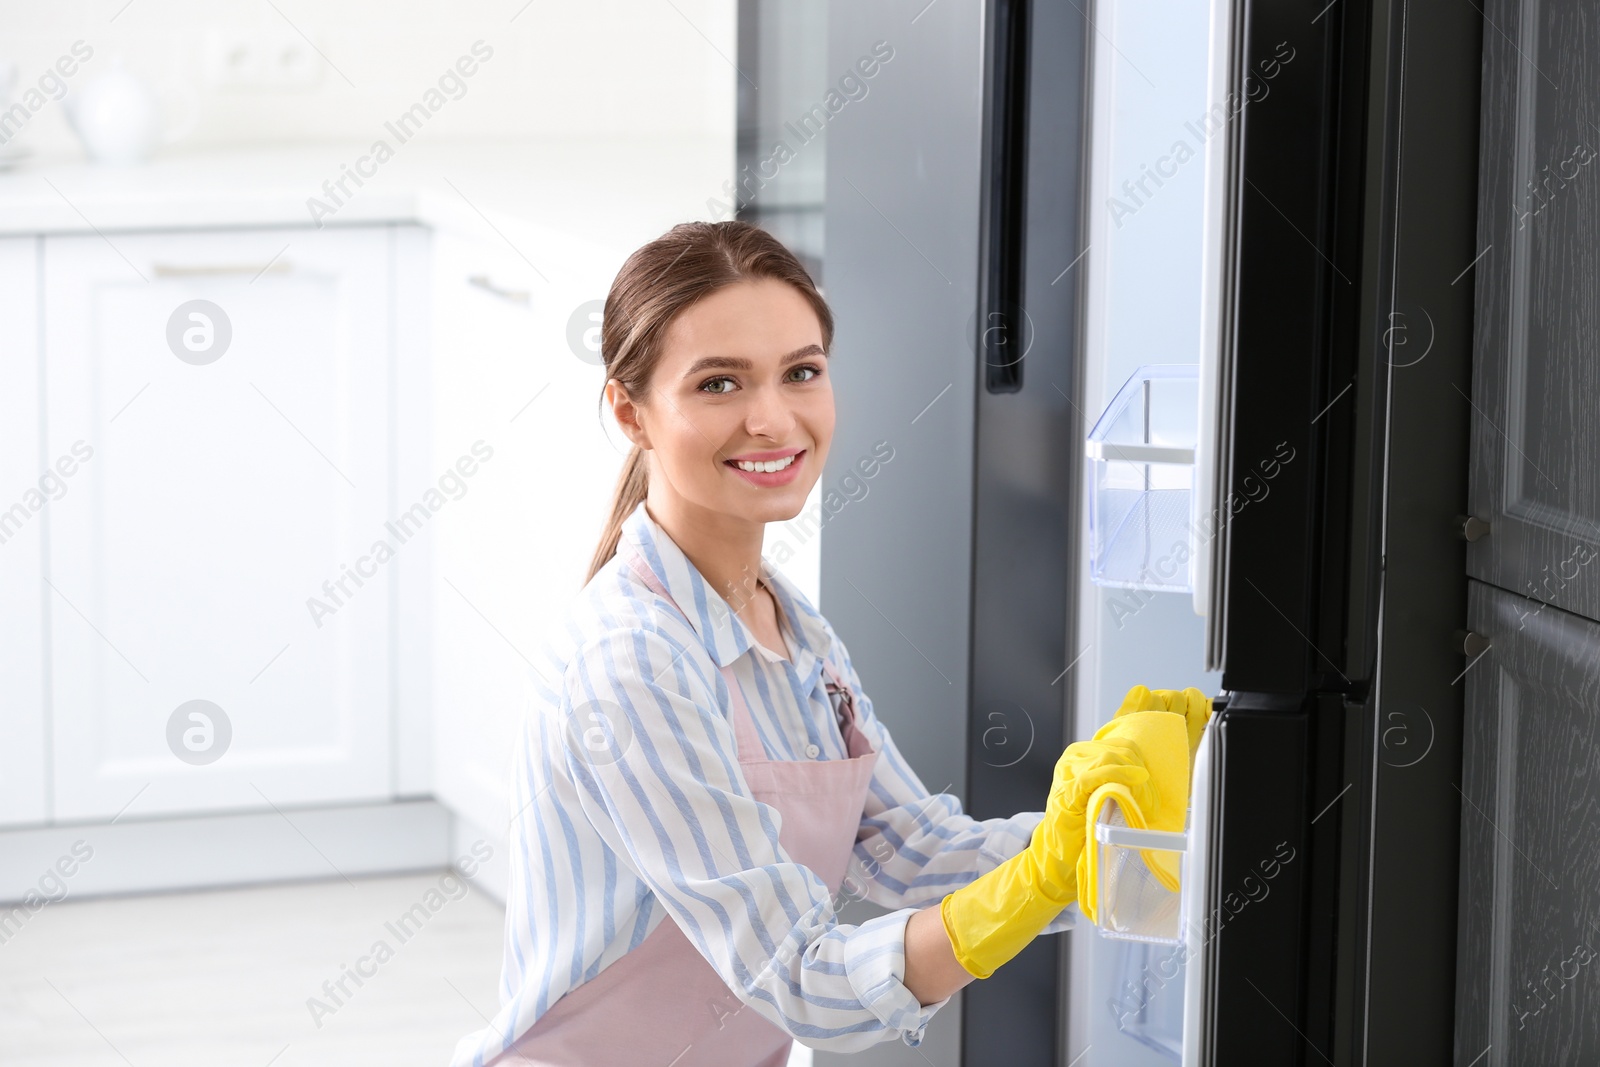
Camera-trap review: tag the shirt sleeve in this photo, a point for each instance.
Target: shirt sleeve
(914, 847)
(652, 750)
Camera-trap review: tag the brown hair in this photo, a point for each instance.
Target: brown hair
(688, 262)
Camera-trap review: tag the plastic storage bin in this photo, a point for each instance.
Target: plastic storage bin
(1133, 905)
(1141, 458)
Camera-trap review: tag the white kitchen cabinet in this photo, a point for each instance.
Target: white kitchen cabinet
(216, 498)
(219, 498)
(29, 488)
(513, 549)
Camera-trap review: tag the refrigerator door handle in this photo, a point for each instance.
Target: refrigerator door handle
(1004, 331)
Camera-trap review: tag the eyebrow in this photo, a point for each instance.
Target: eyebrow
(740, 363)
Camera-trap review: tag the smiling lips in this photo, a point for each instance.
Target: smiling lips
(769, 469)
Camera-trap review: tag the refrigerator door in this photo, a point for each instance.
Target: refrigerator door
(951, 575)
(1213, 441)
(1341, 580)
(1198, 902)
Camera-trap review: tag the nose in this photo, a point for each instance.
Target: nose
(769, 414)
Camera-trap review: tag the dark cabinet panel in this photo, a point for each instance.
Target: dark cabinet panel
(1536, 442)
(1528, 981)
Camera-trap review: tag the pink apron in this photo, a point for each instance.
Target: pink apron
(662, 1004)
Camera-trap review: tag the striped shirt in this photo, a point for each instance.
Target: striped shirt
(593, 870)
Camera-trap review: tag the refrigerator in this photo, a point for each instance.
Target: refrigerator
(1127, 289)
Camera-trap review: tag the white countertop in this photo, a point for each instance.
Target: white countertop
(611, 194)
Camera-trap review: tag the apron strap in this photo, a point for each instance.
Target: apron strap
(744, 726)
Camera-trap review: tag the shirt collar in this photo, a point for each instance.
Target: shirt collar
(724, 634)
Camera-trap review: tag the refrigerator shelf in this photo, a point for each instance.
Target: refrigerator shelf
(1141, 473)
(1133, 904)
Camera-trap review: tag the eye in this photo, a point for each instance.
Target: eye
(814, 371)
(704, 386)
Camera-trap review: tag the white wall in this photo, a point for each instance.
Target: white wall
(598, 67)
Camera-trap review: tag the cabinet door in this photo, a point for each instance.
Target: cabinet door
(1529, 918)
(1536, 381)
(513, 550)
(227, 538)
(29, 488)
(1527, 986)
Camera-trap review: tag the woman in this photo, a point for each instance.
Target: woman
(703, 770)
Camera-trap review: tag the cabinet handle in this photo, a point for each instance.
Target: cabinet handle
(515, 296)
(167, 270)
(1471, 528)
(1472, 644)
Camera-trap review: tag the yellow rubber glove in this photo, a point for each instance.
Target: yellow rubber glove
(1161, 741)
(1192, 704)
(993, 918)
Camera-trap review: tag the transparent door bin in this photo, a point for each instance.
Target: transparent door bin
(1132, 903)
(1141, 460)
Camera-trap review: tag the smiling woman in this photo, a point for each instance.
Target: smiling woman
(733, 441)
(701, 778)
(715, 342)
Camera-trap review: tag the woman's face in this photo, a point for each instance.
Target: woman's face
(742, 377)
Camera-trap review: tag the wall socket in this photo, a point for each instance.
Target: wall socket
(261, 57)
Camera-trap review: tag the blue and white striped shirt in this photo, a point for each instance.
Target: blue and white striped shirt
(593, 870)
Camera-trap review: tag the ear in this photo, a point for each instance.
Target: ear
(627, 414)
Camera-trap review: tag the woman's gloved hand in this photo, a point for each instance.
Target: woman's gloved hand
(993, 918)
(1162, 741)
(1192, 704)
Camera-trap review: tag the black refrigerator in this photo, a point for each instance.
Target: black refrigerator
(970, 226)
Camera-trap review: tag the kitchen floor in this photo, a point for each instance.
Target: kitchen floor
(229, 976)
(236, 977)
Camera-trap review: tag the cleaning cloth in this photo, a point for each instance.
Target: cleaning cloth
(1161, 740)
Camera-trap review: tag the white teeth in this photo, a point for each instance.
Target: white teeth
(766, 466)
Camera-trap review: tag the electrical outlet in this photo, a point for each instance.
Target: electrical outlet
(271, 58)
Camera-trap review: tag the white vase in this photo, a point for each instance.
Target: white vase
(116, 116)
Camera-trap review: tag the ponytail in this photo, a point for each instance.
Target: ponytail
(632, 485)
